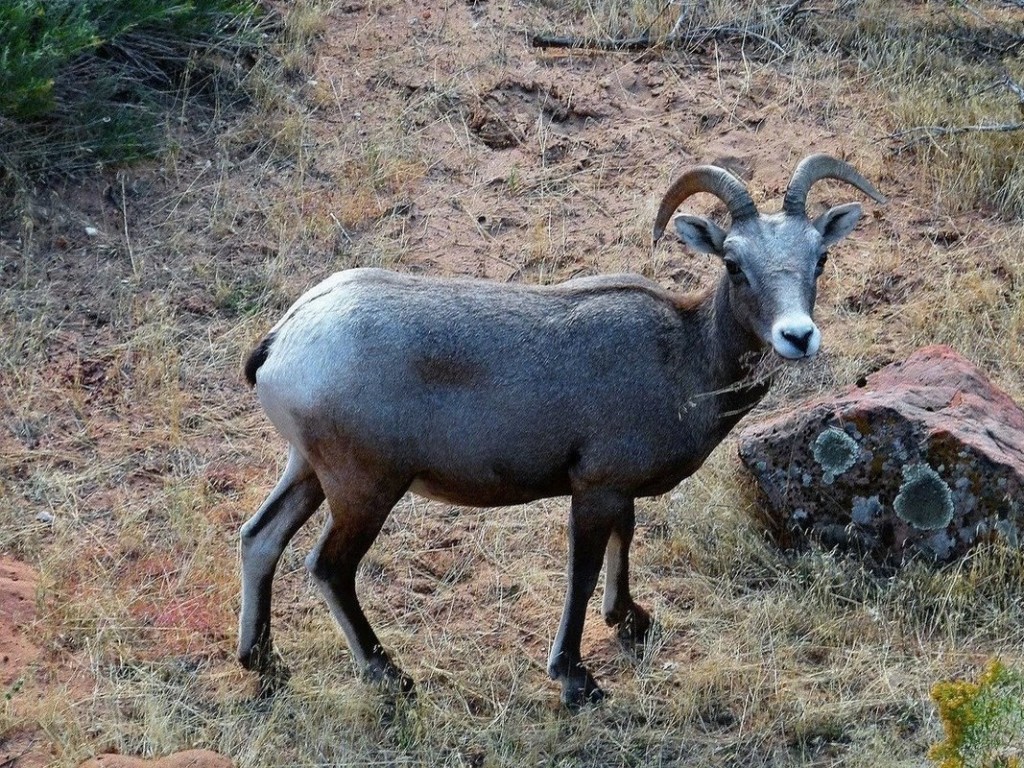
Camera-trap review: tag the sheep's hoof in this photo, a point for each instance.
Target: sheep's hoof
(259, 656)
(271, 671)
(579, 689)
(385, 675)
(635, 627)
(633, 623)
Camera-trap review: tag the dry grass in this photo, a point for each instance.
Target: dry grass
(131, 452)
(951, 68)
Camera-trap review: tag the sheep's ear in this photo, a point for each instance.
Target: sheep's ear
(837, 223)
(700, 234)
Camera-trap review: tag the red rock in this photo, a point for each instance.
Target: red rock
(923, 457)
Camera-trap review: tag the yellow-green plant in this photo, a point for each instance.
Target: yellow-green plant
(983, 721)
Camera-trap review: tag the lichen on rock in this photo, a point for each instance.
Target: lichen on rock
(1007, 531)
(835, 451)
(924, 500)
(922, 459)
(865, 510)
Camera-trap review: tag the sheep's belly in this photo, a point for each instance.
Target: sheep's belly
(497, 494)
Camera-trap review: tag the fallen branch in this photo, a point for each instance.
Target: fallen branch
(1015, 88)
(641, 43)
(680, 38)
(691, 39)
(932, 131)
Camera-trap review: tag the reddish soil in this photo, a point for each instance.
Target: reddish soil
(19, 654)
(193, 758)
(23, 675)
(18, 651)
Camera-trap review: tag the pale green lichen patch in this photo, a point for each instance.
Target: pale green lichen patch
(835, 451)
(865, 510)
(940, 544)
(924, 500)
(1008, 531)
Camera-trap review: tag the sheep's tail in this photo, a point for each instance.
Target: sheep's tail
(257, 358)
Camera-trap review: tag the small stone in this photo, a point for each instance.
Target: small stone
(91, 231)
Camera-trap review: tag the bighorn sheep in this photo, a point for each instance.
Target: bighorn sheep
(485, 394)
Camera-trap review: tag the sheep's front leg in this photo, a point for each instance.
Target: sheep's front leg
(264, 537)
(619, 608)
(591, 520)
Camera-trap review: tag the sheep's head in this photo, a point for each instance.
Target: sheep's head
(773, 261)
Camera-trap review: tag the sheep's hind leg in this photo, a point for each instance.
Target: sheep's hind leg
(358, 510)
(619, 608)
(264, 537)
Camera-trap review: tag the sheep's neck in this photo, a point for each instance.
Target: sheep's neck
(733, 352)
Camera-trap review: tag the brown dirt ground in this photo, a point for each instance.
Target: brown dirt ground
(17, 605)
(187, 759)
(193, 758)
(19, 652)
(20, 656)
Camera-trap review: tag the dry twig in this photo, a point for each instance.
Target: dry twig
(679, 38)
(926, 132)
(921, 133)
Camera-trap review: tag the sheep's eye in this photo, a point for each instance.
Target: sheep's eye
(732, 267)
(821, 265)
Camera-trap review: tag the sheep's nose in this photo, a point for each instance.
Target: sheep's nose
(796, 337)
(800, 340)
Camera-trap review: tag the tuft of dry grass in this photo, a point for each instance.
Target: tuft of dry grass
(950, 71)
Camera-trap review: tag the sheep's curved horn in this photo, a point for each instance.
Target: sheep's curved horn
(813, 169)
(705, 178)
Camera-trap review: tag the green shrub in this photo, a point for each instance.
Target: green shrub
(86, 83)
(35, 42)
(983, 722)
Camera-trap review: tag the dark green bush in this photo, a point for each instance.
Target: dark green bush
(35, 42)
(83, 83)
